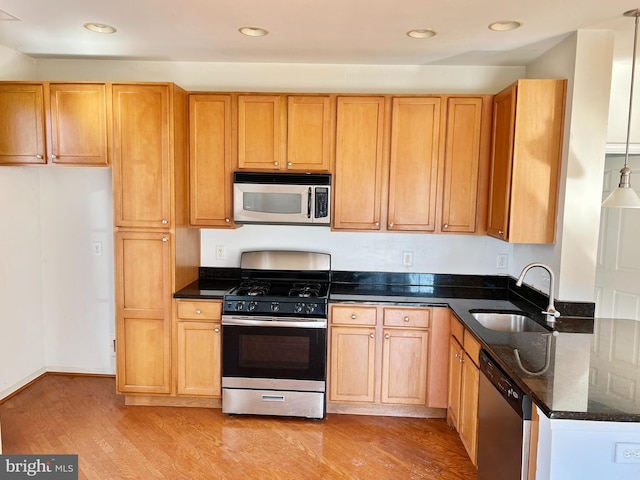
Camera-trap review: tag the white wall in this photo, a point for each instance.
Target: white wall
(15, 65)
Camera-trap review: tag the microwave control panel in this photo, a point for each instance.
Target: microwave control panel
(322, 202)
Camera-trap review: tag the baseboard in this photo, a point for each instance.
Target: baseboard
(22, 384)
(79, 370)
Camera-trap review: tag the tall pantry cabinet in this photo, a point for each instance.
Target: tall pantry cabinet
(155, 251)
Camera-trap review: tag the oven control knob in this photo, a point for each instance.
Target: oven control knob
(275, 306)
(298, 307)
(311, 307)
(239, 306)
(252, 305)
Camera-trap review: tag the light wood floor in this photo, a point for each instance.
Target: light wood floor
(77, 414)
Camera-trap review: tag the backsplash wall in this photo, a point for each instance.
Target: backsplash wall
(366, 251)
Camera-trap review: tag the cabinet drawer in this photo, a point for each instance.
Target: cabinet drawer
(457, 329)
(407, 317)
(353, 315)
(471, 347)
(199, 310)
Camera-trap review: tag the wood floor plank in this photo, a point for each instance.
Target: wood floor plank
(75, 414)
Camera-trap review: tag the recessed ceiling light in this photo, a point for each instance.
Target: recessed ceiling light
(505, 25)
(253, 31)
(421, 33)
(99, 27)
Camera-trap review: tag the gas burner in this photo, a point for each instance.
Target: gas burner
(305, 290)
(253, 288)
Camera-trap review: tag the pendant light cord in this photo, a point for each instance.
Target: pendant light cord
(636, 13)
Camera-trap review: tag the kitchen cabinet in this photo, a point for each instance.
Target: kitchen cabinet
(285, 132)
(412, 163)
(388, 355)
(359, 163)
(210, 170)
(464, 377)
(143, 303)
(156, 251)
(198, 346)
(63, 122)
(528, 120)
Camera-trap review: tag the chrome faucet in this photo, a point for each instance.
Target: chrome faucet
(551, 311)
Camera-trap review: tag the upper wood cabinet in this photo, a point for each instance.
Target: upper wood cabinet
(285, 132)
(413, 163)
(360, 157)
(434, 152)
(261, 130)
(310, 132)
(528, 121)
(59, 123)
(210, 170)
(466, 160)
(142, 160)
(77, 124)
(22, 130)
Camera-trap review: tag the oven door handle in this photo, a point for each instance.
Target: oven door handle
(252, 322)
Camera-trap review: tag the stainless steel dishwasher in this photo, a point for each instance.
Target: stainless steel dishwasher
(504, 425)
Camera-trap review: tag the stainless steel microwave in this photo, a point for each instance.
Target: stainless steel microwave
(282, 198)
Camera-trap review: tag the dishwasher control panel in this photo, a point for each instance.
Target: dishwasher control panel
(507, 387)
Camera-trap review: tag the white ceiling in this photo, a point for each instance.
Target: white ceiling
(308, 31)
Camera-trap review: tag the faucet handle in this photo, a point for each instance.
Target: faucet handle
(552, 312)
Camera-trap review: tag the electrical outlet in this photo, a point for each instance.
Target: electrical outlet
(219, 252)
(502, 260)
(97, 249)
(407, 259)
(627, 453)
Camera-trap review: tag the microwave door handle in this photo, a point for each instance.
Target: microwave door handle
(309, 203)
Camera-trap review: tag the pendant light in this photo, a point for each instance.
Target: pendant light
(624, 196)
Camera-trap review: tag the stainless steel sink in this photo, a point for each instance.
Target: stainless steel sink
(508, 322)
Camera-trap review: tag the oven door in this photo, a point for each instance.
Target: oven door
(296, 351)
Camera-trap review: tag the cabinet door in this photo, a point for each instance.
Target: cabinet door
(210, 160)
(141, 158)
(462, 161)
(352, 367)
(77, 130)
(199, 358)
(260, 132)
(413, 167)
(309, 133)
(359, 162)
(455, 381)
(468, 424)
(22, 138)
(405, 356)
(504, 107)
(143, 295)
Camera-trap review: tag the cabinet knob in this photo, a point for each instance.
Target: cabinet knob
(53, 156)
(227, 220)
(457, 355)
(387, 336)
(217, 330)
(290, 164)
(275, 163)
(391, 225)
(39, 157)
(198, 311)
(406, 319)
(354, 316)
(446, 225)
(372, 335)
(500, 232)
(165, 239)
(164, 222)
(377, 224)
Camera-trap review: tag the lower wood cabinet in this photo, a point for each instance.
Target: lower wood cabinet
(464, 377)
(197, 339)
(388, 355)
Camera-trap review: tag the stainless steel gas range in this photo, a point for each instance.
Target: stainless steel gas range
(274, 335)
